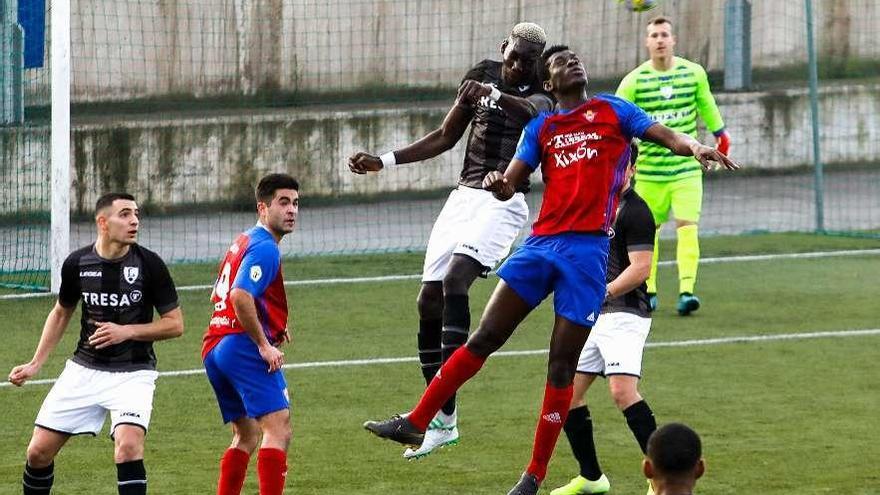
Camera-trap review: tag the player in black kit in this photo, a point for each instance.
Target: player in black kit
(474, 231)
(113, 368)
(614, 347)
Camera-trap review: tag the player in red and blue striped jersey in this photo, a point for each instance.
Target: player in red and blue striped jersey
(240, 347)
(583, 151)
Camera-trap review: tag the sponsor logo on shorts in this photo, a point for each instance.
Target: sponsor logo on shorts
(129, 414)
(612, 364)
(470, 248)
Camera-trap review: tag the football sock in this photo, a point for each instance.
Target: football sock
(652, 276)
(272, 470)
(462, 365)
(688, 258)
(131, 477)
(554, 413)
(38, 481)
(640, 419)
(429, 347)
(233, 471)
(456, 323)
(579, 430)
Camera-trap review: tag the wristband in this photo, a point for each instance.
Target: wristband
(495, 94)
(388, 159)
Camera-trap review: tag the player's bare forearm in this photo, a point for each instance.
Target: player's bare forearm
(634, 275)
(168, 326)
(439, 140)
(685, 145)
(246, 314)
(519, 109)
(53, 330)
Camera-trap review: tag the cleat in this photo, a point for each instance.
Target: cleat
(396, 428)
(581, 486)
(442, 432)
(652, 302)
(687, 303)
(527, 485)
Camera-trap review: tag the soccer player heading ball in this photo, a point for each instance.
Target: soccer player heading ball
(474, 231)
(583, 151)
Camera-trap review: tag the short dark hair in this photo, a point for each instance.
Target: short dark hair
(273, 182)
(660, 19)
(674, 449)
(107, 200)
(543, 70)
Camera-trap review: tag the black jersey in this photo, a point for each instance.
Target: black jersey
(634, 230)
(492, 141)
(123, 291)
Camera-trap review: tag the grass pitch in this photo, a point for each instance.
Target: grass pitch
(776, 417)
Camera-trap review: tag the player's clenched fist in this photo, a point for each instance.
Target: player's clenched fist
(500, 187)
(22, 373)
(361, 163)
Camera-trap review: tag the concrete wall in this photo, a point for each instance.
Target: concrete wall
(201, 159)
(207, 48)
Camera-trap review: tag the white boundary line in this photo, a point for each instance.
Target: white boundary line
(389, 278)
(678, 343)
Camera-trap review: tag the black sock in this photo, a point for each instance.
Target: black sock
(579, 430)
(132, 477)
(429, 347)
(38, 481)
(456, 324)
(640, 419)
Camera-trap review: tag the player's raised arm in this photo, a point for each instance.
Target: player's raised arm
(53, 330)
(434, 143)
(517, 108)
(684, 145)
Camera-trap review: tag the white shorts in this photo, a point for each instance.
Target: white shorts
(615, 345)
(79, 401)
(473, 223)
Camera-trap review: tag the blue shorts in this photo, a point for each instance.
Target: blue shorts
(570, 265)
(241, 379)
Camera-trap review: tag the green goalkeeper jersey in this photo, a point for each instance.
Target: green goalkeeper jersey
(673, 98)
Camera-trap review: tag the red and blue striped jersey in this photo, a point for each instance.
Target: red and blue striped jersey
(253, 264)
(583, 154)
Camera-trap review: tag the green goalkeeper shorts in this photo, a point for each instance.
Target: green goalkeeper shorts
(684, 197)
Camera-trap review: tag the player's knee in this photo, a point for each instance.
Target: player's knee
(246, 439)
(128, 450)
(38, 456)
(623, 394)
(430, 300)
(456, 282)
(560, 373)
(278, 436)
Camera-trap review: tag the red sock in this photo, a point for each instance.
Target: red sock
(272, 469)
(233, 470)
(554, 412)
(461, 366)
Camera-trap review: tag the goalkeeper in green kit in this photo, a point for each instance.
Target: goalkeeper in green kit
(673, 91)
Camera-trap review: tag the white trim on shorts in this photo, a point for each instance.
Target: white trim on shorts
(615, 345)
(474, 223)
(79, 401)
